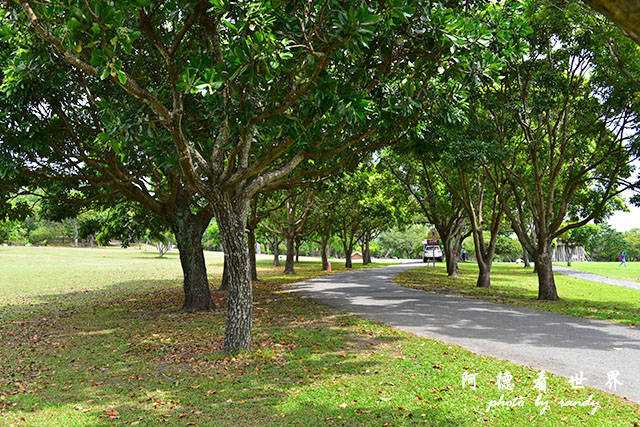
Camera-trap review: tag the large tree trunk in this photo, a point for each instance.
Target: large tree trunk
(546, 283)
(188, 229)
(288, 265)
(251, 239)
(484, 275)
(232, 219)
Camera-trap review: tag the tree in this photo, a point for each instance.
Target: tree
(570, 157)
(62, 139)
(247, 92)
(324, 216)
(480, 201)
(362, 208)
(508, 249)
(262, 207)
(632, 244)
(602, 242)
(289, 221)
(385, 209)
(459, 166)
(439, 205)
(403, 239)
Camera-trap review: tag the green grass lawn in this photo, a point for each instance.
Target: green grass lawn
(608, 269)
(512, 284)
(95, 337)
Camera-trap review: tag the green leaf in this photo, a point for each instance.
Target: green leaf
(122, 77)
(73, 24)
(96, 57)
(105, 73)
(230, 25)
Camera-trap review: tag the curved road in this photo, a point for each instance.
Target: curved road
(563, 345)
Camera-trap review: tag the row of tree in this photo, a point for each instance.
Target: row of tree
(197, 109)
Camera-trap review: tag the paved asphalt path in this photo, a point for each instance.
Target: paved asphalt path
(560, 344)
(595, 277)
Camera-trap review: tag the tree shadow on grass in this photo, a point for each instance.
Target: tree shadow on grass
(131, 359)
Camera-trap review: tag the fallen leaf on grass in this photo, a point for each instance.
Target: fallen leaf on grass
(111, 415)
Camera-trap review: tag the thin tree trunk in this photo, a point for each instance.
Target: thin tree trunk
(546, 283)
(232, 220)
(276, 251)
(298, 244)
(288, 265)
(452, 259)
(366, 257)
(323, 253)
(484, 253)
(348, 249)
(74, 221)
(457, 247)
(525, 257)
(362, 247)
(251, 242)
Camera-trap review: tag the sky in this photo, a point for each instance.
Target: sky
(625, 221)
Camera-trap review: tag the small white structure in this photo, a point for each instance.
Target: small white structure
(563, 251)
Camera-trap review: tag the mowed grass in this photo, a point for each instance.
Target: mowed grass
(113, 355)
(44, 275)
(512, 284)
(608, 269)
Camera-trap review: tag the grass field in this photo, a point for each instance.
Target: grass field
(94, 337)
(608, 269)
(512, 284)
